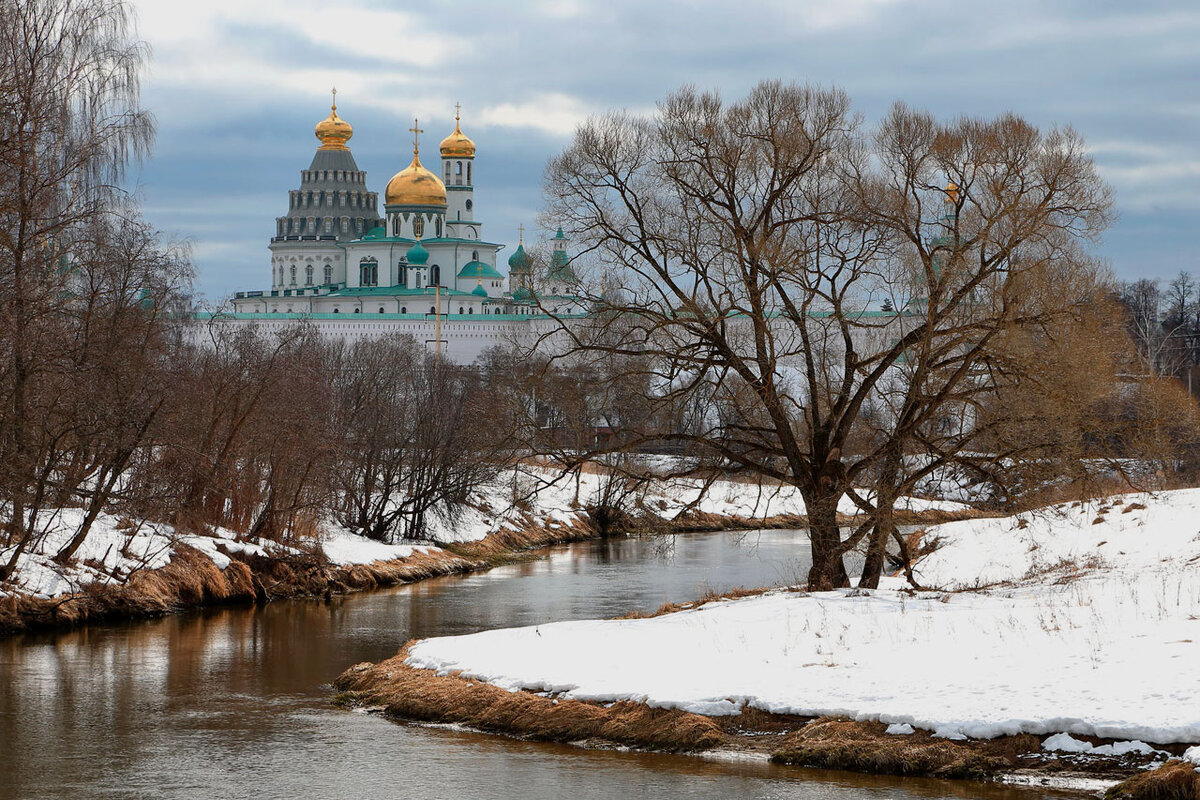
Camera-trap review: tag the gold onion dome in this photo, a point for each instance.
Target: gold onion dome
(414, 185)
(457, 144)
(333, 131)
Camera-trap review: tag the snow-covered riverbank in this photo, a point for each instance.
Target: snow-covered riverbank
(1082, 619)
(531, 498)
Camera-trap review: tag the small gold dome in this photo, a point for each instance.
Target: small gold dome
(457, 144)
(952, 192)
(415, 186)
(333, 131)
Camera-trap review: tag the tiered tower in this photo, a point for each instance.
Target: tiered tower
(458, 174)
(332, 205)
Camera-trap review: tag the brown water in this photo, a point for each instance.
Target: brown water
(234, 703)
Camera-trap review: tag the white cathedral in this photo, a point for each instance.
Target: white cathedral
(424, 269)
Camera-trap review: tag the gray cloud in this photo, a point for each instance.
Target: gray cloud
(237, 92)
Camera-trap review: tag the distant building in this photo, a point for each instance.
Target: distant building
(424, 268)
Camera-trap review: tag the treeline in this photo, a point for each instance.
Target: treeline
(112, 400)
(1165, 322)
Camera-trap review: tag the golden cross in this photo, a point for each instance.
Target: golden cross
(416, 132)
(521, 234)
(335, 98)
(457, 111)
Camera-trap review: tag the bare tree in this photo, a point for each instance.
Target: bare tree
(752, 239)
(69, 124)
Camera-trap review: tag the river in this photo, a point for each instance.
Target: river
(234, 703)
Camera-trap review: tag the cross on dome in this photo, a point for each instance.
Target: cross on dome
(416, 132)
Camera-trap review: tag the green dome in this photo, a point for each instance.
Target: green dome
(519, 260)
(522, 295)
(376, 233)
(478, 269)
(479, 291)
(417, 254)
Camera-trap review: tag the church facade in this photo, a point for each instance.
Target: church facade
(422, 267)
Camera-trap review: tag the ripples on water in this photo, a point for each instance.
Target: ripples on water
(234, 703)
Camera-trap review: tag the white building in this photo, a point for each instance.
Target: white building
(424, 268)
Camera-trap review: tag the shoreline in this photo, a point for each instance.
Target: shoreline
(191, 580)
(403, 693)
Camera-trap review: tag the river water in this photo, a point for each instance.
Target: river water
(234, 703)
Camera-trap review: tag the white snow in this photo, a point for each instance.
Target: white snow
(345, 548)
(1192, 754)
(116, 549)
(900, 729)
(1089, 628)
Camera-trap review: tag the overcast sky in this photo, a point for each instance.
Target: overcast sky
(237, 86)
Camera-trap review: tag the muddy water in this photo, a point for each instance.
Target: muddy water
(234, 703)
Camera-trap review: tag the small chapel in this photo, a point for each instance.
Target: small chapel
(332, 253)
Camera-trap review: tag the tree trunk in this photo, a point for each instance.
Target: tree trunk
(877, 545)
(828, 571)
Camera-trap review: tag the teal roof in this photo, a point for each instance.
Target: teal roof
(478, 269)
(479, 291)
(391, 291)
(559, 235)
(369, 317)
(417, 254)
(380, 235)
(519, 260)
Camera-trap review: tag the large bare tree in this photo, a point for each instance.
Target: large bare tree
(753, 242)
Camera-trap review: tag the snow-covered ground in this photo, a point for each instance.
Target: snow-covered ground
(535, 495)
(529, 497)
(1090, 625)
(115, 549)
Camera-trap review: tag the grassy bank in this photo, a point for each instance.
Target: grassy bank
(192, 580)
(404, 693)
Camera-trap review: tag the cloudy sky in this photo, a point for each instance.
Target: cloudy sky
(237, 86)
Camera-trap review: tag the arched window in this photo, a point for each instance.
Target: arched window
(431, 311)
(418, 226)
(381, 309)
(474, 255)
(403, 309)
(460, 309)
(336, 311)
(368, 272)
(437, 226)
(497, 311)
(396, 225)
(293, 274)
(468, 177)
(308, 275)
(435, 275)
(447, 172)
(329, 273)
(470, 205)
(458, 172)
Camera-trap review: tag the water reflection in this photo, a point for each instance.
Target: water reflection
(234, 702)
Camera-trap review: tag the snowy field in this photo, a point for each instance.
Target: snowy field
(1078, 619)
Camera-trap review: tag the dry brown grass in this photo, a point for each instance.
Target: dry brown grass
(1175, 780)
(423, 695)
(191, 579)
(864, 747)
(708, 597)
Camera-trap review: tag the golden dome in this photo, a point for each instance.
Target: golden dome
(952, 192)
(414, 185)
(333, 131)
(457, 144)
